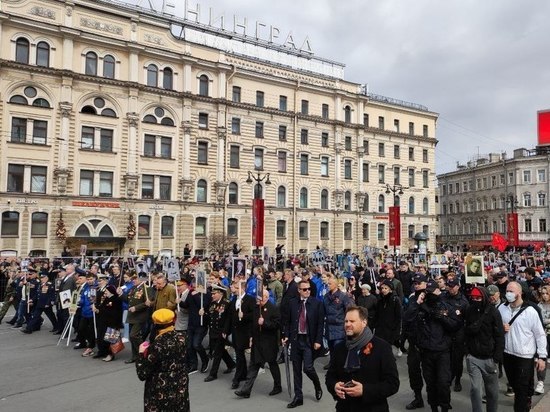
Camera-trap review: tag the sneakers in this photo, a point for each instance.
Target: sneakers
(108, 358)
(399, 353)
(204, 366)
(88, 352)
(509, 391)
(539, 389)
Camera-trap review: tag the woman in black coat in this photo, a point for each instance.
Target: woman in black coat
(388, 314)
(108, 313)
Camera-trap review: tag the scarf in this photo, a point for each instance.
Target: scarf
(165, 330)
(353, 346)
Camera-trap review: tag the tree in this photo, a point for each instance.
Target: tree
(220, 243)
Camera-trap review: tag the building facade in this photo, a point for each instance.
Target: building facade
(476, 199)
(124, 127)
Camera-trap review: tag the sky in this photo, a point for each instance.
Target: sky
(483, 66)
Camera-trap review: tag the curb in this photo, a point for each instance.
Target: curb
(543, 405)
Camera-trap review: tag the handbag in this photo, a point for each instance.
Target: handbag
(112, 335)
(117, 346)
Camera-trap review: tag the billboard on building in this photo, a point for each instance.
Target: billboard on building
(543, 127)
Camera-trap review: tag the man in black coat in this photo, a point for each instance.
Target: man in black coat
(303, 328)
(266, 323)
(362, 373)
(239, 326)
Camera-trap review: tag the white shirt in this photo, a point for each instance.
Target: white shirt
(526, 336)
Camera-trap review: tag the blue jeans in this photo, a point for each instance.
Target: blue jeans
(483, 371)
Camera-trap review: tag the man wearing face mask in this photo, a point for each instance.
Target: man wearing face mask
(432, 320)
(524, 339)
(484, 337)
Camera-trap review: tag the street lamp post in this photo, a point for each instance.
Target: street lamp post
(395, 216)
(258, 208)
(512, 221)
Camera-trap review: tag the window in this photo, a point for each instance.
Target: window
(411, 128)
(542, 225)
(304, 164)
(411, 205)
(348, 143)
(348, 231)
(527, 199)
(106, 184)
(541, 175)
(144, 226)
(259, 159)
(303, 229)
(203, 120)
(168, 78)
(10, 224)
(149, 145)
(324, 166)
(15, 178)
(236, 94)
(305, 107)
(381, 174)
(324, 111)
(396, 151)
(365, 172)
(396, 175)
(233, 193)
(103, 143)
(109, 67)
(106, 140)
(147, 186)
(38, 179)
(203, 85)
(152, 75)
(526, 176)
(86, 183)
(281, 229)
(201, 191)
(347, 200)
(282, 103)
(18, 130)
(425, 179)
(541, 199)
(43, 54)
(347, 114)
(202, 153)
(510, 178)
(425, 155)
(396, 125)
(381, 122)
(324, 230)
(411, 154)
(528, 225)
(165, 187)
(281, 196)
(381, 151)
(324, 139)
(366, 203)
(425, 130)
(22, 47)
(425, 206)
(281, 161)
(347, 169)
(39, 224)
(166, 147)
(381, 205)
(234, 156)
(259, 129)
(282, 133)
(303, 198)
(366, 121)
(259, 98)
(410, 231)
(324, 199)
(381, 231)
(304, 136)
(235, 125)
(411, 177)
(232, 227)
(365, 231)
(167, 226)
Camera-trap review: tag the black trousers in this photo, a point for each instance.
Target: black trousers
(34, 324)
(253, 374)
(457, 357)
(436, 367)
(219, 353)
(413, 366)
(520, 373)
(302, 355)
(136, 338)
(86, 332)
(241, 366)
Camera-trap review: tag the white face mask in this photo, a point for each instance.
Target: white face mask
(511, 297)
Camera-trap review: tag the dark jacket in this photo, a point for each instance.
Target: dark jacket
(388, 317)
(335, 305)
(45, 295)
(378, 375)
(315, 316)
(484, 331)
(136, 298)
(240, 329)
(110, 310)
(265, 338)
(217, 314)
(193, 304)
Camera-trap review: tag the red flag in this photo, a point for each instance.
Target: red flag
(499, 243)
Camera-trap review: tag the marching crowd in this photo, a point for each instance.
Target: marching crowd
(286, 311)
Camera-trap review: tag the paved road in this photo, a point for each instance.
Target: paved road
(37, 375)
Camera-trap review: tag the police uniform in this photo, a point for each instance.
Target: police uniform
(45, 301)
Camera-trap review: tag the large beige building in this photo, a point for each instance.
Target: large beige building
(125, 127)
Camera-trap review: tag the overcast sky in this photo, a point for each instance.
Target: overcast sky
(484, 66)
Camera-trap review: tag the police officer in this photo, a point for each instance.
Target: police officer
(45, 300)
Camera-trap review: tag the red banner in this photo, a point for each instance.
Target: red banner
(499, 243)
(395, 226)
(512, 229)
(258, 222)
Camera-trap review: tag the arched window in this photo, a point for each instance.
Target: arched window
(109, 67)
(281, 196)
(150, 119)
(22, 47)
(108, 113)
(40, 102)
(233, 193)
(201, 191)
(303, 197)
(167, 226)
(425, 206)
(10, 224)
(347, 114)
(168, 79)
(396, 201)
(203, 85)
(348, 231)
(366, 203)
(324, 199)
(232, 227)
(152, 75)
(106, 231)
(39, 224)
(82, 231)
(411, 205)
(347, 200)
(166, 121)
(144, 226)
(43, 54)
(91, 64)
(381, 205)
(18, 99)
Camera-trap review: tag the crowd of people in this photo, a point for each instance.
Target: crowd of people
(365, 315)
